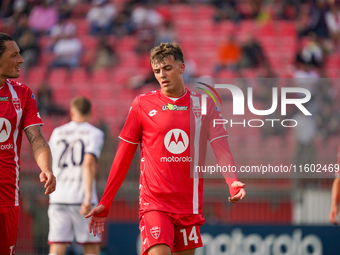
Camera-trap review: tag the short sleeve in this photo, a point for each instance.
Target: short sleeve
(31, 115)
(132, 130)
(95, 144)
(52, 137)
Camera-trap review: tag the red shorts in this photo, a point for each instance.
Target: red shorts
(9, 224)
(178, 231)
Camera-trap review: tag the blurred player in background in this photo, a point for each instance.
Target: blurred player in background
(18, 111)
(335, 196)
(170, 199)
(76, 147)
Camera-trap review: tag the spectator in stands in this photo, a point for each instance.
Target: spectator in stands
(122, 24)
(265, 85)
(311, 52)
(226, 10)
(67, 51)
(20, 10)
(101, 16)
(104, 56)
(306, 77)
(284, 9)
(45, 102)
(252, 53)
(325, 90)
(145, 14)
(306, 132)
(333, 22)
(29, 49)
(228, 55)
(146, 37)
(6, 9)
(166, 33)
(314, 19)
(327, 121)
(27, 42)
(65, 9)
(43, 17)
(21, 26)
(62, 27)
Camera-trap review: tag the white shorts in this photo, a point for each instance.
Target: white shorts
(67, 224)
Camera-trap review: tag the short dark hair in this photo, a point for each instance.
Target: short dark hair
(164, 50)
(82, 104)
(4, 38)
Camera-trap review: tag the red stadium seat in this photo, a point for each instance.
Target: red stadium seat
(101, 76)
(57, 77)
(78, 75)
(36, 76)
(82, 26)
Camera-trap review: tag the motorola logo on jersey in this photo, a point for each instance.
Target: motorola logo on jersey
(176, 141)
(5, 129)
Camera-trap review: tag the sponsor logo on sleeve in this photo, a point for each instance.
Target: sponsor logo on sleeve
(152, 113)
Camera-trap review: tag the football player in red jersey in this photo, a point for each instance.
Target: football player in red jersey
(18, 111)
(170, 193)
(333, 213)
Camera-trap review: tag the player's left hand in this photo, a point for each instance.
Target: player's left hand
(240, 195)
(96, 224)
(50, 181)
(333, 214)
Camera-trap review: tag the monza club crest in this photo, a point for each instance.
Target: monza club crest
(197, 111)
(16, 103)
(155, 232)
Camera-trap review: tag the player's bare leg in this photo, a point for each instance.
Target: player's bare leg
(159, 249)
(92, 249)
(58, 248)
(187, 252)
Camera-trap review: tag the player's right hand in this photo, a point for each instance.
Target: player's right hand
(50, 181)
(240, 195)
(96, 224)
(333, 214)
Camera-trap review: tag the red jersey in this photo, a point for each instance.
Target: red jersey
(18, 111)
(169, 149)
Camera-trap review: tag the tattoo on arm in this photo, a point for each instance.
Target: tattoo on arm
(36, 138)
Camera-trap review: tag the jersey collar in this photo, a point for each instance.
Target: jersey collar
(180, 99)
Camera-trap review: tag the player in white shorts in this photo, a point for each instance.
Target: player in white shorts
(75, 147)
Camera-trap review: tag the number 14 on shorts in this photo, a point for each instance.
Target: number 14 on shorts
(192, 236)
